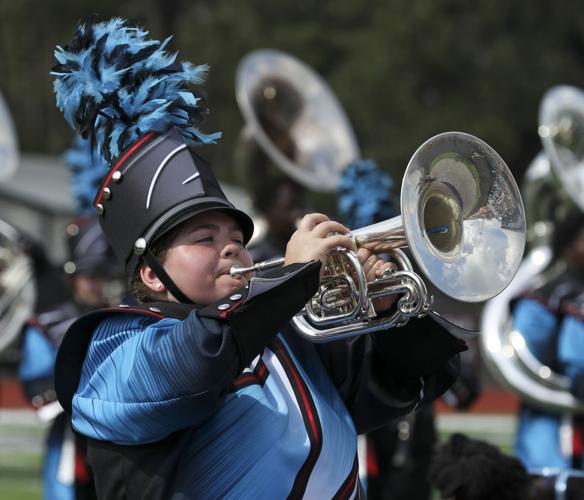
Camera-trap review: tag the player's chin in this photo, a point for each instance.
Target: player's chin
(230, 284)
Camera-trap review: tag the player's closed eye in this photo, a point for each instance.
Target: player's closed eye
(204, 239)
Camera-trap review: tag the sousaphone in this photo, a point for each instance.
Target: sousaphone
(554, 180)
(294, 116)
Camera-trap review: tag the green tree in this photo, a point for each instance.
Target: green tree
(403, 70)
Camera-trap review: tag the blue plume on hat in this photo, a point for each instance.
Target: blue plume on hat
(364, 195)
(114, 85)
(88, 170)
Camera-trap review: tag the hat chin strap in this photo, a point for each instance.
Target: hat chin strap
(162, 275)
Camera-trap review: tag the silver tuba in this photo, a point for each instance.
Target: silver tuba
(17, 288)
(462, 220)
(554, 180)
(294, 116)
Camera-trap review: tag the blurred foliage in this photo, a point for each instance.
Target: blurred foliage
(403, 70)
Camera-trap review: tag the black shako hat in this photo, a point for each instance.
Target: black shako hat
(88, 249)
(133, 101)
(152, 187)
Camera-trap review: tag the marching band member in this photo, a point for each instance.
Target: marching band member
(282, 203)
(548, 318)
(205, 390)
(398, 454)
(89, 269)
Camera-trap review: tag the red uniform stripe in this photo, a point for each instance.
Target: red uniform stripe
(349, 484)
(309, 415)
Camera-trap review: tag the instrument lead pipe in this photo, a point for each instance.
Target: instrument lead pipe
(260, 266)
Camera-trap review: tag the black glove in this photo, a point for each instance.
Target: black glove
(418, 349)
(463, 392)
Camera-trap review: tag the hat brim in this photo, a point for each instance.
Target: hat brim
(184, 212)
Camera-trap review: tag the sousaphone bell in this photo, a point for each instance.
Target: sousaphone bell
(295, 117)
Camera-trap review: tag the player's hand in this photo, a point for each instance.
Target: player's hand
(375, 268)
(316, 237)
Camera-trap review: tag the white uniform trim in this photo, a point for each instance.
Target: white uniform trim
(159, 169)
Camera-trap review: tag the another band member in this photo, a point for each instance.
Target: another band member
(206, 390)
(548, 318)
(282, 202)
(89, 269)
(92, 275)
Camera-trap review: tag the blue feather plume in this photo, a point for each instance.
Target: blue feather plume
(114, 85)
(88, 170)
(364, 195)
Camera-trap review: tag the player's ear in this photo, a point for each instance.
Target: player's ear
(149, 278)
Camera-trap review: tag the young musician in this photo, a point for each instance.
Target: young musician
(206, 390)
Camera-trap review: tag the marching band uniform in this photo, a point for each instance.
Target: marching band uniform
(545, 438)
(571, 362)
(293, 412)
(41, 338)
(65, 475)
(222, 400)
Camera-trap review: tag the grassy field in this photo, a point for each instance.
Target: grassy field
(20, 476)
(495, 429)
(21, 440)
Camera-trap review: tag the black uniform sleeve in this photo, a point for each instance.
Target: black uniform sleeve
(259, 312)
(385, 375)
